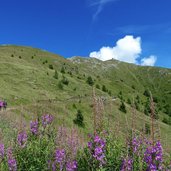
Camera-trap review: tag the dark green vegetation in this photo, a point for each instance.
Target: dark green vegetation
(35, 81)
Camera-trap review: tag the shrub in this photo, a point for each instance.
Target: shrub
(120, 95)
(60, 86)
(122, 107)
(97, 86)
(56, 75)
(146, 93)
(90, 81)
(63, 70)
(129, 101)
(133, 87)
(74, 106)
(79, 120)
(50, 66)
(104, 88)
(110, 93)
(65, 81)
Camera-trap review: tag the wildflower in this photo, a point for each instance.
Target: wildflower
(59, 155)
(12, 164)
(9, 153)
(2, 152)
(135, 144)
(97, 148)
(97, 139)
(90, 145)
(153, 157)
(47, 119)
(127, 164)
(60, 158)
(34, 127)
(22, 139)
(71, 166)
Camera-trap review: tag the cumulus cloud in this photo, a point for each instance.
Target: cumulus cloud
(127, 49)
(149, 61)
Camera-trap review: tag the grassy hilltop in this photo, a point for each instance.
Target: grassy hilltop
(34, 81)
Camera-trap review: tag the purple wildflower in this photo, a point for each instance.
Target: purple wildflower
(97, 149)
(2, 152)
(22, 139)
(97, 139)
(71, 166)
(47, 119)
(127, 164)
(12, 164)
(34, 127)
(90, 145)
(135, 144)
(60, 158)
(153, 157)
(9, 153)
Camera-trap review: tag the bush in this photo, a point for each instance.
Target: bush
(63, 70)
(122, 107)
(55, 75)
(167, 120)
(50, 66)
(97, 86)
(104, 88)
(65, 81)
(146, 93)
(60, 86)
(129, 101)
(120, 95)
(90, 81)
(79, 120)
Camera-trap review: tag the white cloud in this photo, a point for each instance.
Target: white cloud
(149, 61)
(127, 49)
(100, 5)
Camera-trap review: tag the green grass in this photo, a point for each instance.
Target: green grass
(27, 83)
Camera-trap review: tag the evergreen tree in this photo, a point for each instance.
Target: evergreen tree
(60, 86)
(63, 70)
(50, 66)
(122, 107)
(104, 88)
(79, 120)
(56, 75)
(65, 81)
(120, 95)
(90, 81)
(146, 93)
(97, 86)
(129, 101)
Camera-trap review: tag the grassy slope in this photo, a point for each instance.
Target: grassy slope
(28, 84)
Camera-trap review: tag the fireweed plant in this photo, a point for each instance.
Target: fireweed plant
(44, 148)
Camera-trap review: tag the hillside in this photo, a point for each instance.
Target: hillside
(30, 86)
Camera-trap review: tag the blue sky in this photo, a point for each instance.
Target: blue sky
(103, 28)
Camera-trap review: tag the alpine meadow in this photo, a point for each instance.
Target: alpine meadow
(82, 113)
